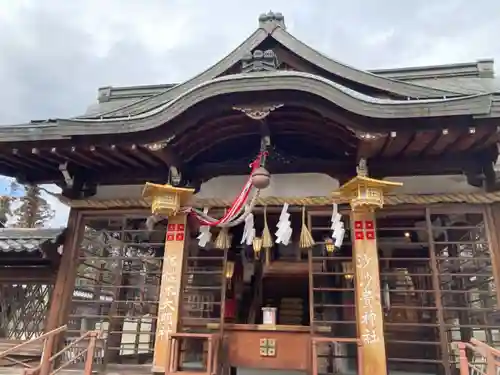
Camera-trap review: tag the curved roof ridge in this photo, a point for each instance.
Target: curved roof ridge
(284, 73)
(468, 69)
(278, 33)
(308, 83)
(290, 80)
(368, 78)
(23, 233)
(218, 68)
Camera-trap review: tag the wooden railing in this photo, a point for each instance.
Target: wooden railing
(44, 342)
(83, 352)
(316, 341)
(48, 361)
(478, 358)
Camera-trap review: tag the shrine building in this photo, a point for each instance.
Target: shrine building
(280, 213)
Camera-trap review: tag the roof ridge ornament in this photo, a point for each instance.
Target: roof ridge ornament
(259, 61)
(258, 112)
(272, 19)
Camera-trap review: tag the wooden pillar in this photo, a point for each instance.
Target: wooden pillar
(365, 195)
(167, 201)
(60, 299)
(369, 314)
(62, 293)
(492, 220)
(170, 292)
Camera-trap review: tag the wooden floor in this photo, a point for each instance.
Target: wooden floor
(146, 370)
(111, 370)
(247, 371)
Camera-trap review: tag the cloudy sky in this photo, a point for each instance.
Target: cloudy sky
(56, 53)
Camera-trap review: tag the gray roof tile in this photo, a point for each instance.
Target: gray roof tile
(464, 85)
(27, 239)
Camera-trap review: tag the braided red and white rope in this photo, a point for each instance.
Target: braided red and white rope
(237, 205)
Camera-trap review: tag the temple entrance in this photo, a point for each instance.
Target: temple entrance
(426, 255)
(290, 296)
(278, 279)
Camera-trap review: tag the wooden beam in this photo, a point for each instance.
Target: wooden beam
(386, 166)
(331, 167)
(27, 274)
(371, 147)
(301, 120)
(168, 157)
(33, 159)
(379, 167)
(101, 155)
(122, 156)
(60, 300)
(421, 140)
(336, 147)
(140, 153)
(81, 154)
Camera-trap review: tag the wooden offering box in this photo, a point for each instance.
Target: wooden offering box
(271, 347)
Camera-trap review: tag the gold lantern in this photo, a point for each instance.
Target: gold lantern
(363, 191)
(348, 270)
(329, 245)
(167, 199)
(229, 273)
(229, 269)
(257, 246)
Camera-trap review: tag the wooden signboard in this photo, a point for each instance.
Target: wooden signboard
(368, 305)
(168, 310)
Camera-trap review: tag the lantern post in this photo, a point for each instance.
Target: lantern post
(365, 195)
(167, 200)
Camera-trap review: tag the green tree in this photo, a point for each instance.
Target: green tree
(5, 210)
(6, 203)
(34, 210)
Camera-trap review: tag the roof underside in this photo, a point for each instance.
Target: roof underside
(213, 140)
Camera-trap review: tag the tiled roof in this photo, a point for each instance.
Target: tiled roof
(27, 239)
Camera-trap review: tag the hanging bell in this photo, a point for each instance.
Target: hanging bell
(261, 178)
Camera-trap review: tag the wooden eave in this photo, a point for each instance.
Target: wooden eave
(264, 83)
(479, 198)
(336, 140)
(425, 134)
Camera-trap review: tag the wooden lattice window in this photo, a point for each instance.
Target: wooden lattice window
(23, 310)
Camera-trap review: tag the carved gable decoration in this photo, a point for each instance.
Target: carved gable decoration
(259, 61)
